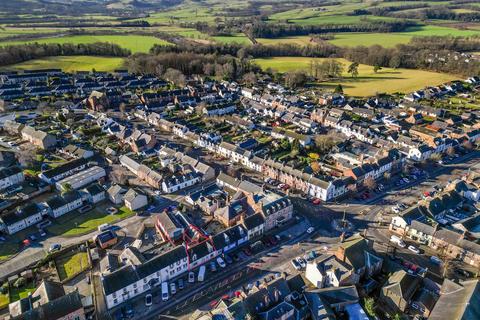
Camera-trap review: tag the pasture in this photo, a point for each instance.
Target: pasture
(368, 83)
(71, 63)
(134, 43)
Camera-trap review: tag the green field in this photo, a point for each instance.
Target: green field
(135, 43)
(71, 63)
(70, 266)
(238, 38)
(352, 39)
(367, 83)
(73, 224)
(300, 40)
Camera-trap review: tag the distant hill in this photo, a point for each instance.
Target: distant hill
(75, 7)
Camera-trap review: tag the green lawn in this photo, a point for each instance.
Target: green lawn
(20, 293)
(71, 63)
(7, 250)
(70, 266)
(367, 83)
(4, 300)
(74, 223)
(135, 43)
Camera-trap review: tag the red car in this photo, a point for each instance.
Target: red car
(247, 251)
(316, 201)
(273, 240)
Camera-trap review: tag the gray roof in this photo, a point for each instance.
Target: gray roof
(458, 301)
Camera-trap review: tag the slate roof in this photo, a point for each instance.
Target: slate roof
(119, 279)
(458, 301)
(253, 221)
(402, 284)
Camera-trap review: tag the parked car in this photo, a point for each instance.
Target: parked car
(221, 263)
(296, 265)
(228, 259)
(463, 273)
(148, 300)
(173, 288)
(165, 295)
(55, 247)
(316, 201)
(213, 267)
(435, 260)
(181, 285)
(191, 277)
(247, 251)
(310, 230)
(302, 262)
(414, 249)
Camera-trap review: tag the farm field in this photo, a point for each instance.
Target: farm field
(71, 63)
(300, 40)
(238, 38)
(134, 43)
(367, 83)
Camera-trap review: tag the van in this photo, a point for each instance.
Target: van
(165, 295)
(201, 274)
(398, 241)
(103, 227)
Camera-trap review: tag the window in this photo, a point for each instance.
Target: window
(124, 290)
(114, 295)
(115, 301)
(135, 291)
(134, 285)
(145, 280)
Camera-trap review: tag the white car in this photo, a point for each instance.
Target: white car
(173, 288)
(414, 249)
(301, 262)
(296, 265)
(395, 209)
(191, 277)
(221, 263)
(310, 230)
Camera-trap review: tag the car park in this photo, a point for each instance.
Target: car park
(148, 300)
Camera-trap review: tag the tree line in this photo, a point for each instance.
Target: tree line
(19, 53)
(174, 66)
(261, 29)
(441, 54)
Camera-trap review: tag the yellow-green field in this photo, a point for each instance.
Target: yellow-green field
(71, 63)
(134, 43)
(368, 82)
